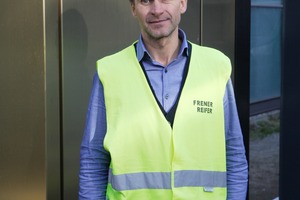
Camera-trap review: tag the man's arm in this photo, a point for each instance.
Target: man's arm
(237, 166)
(94, 159)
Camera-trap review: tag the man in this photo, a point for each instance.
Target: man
(162, 122)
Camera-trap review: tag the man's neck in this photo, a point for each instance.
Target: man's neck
(164, 50)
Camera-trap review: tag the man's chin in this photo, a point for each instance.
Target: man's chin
(159, 34)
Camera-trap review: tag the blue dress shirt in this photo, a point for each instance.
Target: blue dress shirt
(165, 81)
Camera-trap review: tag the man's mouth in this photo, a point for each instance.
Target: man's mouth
(157, 21)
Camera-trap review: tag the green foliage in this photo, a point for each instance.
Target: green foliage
(264, 127)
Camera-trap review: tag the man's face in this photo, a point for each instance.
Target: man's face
(158, 18)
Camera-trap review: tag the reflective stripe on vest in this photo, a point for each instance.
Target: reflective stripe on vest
(142, 180)
(199, 178)
(162, 180)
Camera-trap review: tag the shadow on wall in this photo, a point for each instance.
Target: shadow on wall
(74, 95)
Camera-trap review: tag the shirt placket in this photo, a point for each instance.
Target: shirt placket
(165, 89)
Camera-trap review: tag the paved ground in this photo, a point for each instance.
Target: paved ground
(264, 168)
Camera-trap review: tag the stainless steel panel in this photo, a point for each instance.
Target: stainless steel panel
(22, 137)
(191, 22)
(92, 29)
(218, 25)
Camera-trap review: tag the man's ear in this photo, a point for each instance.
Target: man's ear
(132, 5)
(183, 6)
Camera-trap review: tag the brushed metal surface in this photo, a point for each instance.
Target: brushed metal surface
(22, 114)
(218, 25)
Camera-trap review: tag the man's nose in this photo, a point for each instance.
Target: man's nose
(157, 7)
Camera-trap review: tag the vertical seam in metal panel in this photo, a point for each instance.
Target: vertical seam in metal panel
(201, 22)
(52, 98)
(45, 94)
(60, 41)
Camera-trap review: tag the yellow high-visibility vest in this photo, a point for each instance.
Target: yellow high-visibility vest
(150, 160)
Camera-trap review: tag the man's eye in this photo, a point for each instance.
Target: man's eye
(145, 2)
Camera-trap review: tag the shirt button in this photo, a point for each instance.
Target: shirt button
(166, 96)
(166, 70)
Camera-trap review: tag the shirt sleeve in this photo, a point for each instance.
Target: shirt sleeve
(94, 159)
(237, 165)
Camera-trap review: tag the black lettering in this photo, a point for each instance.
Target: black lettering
(204, 110)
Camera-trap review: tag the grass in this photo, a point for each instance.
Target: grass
(264, 127)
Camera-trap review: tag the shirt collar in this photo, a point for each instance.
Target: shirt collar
(141, 51)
